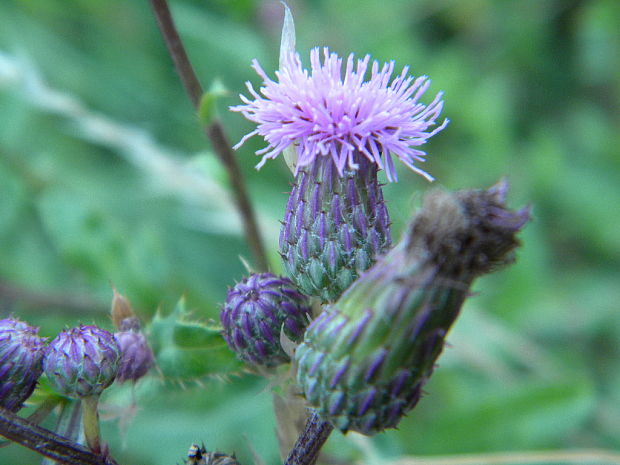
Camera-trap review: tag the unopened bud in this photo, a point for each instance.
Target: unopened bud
(256, 311)
(136, 355)
(21, 355)
(82, 361)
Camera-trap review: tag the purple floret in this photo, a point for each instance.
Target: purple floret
(323, 112)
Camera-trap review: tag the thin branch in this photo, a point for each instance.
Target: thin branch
(306, 449)
(10, 293)
(214, 130)
(48, 443)
(578, 456)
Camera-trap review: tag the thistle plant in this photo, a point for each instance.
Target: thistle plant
(384, 311)
(21, 356)
(343, 130)
(365, 359)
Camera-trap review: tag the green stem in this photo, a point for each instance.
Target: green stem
(91, 423)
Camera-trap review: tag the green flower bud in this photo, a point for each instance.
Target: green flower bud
(365, 359)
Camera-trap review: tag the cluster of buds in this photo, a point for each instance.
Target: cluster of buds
(80, 363)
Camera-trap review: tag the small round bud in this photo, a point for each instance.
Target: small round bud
(136, 355)
(82, 361)
(21, 354)
(255, 313)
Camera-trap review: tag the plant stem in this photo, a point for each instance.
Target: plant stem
(47, 443)
(214, 130)
(91, 422)
(306, 449)
(38, 415)
(69, 424)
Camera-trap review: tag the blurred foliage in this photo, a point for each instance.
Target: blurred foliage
(106, 178)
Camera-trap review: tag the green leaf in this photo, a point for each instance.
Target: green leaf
(207, 110)
(188, 350)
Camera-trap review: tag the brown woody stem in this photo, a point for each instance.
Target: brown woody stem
(306, 449)
(47, 443)
(214, 130)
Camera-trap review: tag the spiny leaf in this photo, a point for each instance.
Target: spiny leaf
(189, 350)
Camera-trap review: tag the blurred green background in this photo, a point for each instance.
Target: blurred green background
(107, 179)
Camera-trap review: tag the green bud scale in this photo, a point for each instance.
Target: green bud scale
(21, 356)
(365, 359)
(334, 226)
(81, 362)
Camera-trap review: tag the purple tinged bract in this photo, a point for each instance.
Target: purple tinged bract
(21, 354)
(325, 113)
(83, 361)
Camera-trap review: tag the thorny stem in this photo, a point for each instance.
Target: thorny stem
(47, 443)
(214, 130)
(306, 449)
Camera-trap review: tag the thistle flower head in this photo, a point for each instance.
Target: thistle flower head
(82, 361)
(326, 113)
(21, 353)
(256, 311)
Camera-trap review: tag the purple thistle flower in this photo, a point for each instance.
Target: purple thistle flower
(324, 113)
